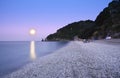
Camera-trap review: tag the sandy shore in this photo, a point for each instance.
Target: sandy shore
(76, 60)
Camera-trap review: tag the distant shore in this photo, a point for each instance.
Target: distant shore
(96, 59)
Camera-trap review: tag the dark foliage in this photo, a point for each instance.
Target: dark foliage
(107, 23)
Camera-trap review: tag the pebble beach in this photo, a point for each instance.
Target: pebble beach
(75, 60)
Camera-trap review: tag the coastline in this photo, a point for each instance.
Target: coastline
(75, 60)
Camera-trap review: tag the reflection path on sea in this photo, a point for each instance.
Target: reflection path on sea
(32, 50)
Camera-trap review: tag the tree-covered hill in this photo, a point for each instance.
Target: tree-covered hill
(107, 23)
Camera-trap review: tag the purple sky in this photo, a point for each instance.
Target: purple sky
(17, 17)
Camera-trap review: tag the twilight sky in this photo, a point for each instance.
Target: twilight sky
(17, 17)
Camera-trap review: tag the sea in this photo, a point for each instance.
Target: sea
(16, 54)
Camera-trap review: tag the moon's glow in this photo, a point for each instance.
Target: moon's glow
(32, 50)
(32, 31)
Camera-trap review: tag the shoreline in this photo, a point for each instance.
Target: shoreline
(75, 60)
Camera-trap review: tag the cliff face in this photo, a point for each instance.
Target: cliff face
(107, 23)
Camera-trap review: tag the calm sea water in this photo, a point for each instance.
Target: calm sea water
(14, 55)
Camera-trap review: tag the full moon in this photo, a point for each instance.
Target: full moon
(32, 31)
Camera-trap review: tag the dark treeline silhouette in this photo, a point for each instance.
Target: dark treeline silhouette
(107, 23)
